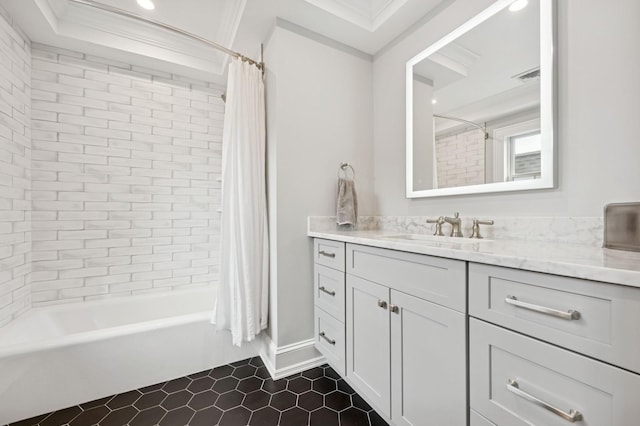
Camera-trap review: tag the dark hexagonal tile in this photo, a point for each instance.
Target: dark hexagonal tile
(241, 362)
(256, 361)
(96, 403)
(376, 420)
(199, 374)
(235, 417)
(31, 421)
(283, 400)
(152, 388)
(220, 372)
(244, 371)
(207, 417)
(354, 417)
(299, 385)
(203, 399)
(337, 400)
(179, 416)
(263, 373)
(148, 417)
(274, 386)
(61, 417)
(250, 384)
(331, 373)
(150, 399)
(229, 400)
(201, 384)
(310, 400)
(177, 399)
(225, 384)
(360, 403)
(295, 416)
(91, 416)
(324, 385)
(344, 387)
(313, 373)
(123, 399)
(266, 416)
(256, 400)
(176, 385)
(119, 417)
(324, 417)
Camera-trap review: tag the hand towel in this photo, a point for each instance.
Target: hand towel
(347, 203)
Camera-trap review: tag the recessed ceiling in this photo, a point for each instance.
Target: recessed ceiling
(366, 25)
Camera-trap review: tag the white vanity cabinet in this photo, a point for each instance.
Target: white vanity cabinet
(548, 350)
(329, 307)
(406, 334)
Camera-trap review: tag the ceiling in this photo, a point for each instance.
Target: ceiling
(366, 25)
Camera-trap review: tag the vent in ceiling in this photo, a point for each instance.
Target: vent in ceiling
(529, 75)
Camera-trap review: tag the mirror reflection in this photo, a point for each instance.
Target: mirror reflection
(476, 107)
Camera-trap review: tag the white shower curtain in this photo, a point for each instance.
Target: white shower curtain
(242, 301)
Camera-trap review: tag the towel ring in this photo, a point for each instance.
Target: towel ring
(343, 169)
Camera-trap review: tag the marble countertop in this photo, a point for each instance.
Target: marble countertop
(571, 260)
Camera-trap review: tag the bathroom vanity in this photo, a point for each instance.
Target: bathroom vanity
(480, 332)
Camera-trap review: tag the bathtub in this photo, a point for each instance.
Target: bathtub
(58, 356)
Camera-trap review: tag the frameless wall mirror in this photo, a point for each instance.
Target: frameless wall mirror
(481, 104)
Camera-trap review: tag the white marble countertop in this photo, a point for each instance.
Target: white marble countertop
(571, 260)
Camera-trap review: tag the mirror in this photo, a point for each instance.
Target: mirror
(481, 105)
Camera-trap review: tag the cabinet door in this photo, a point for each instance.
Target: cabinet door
(368, 341)
(428, 363)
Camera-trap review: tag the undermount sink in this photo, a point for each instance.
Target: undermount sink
(435, 239)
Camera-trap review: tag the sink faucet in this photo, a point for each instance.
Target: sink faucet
(439, 221)
(456, 224)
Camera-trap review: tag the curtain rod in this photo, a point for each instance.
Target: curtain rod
(135, 16)
(471, 123)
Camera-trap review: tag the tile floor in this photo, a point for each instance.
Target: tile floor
(237, 394)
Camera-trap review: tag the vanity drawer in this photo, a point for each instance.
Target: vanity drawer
(330, 341)
(329, 291)
(438, 280)
(508, 370)
(605, 324)
(329, 253)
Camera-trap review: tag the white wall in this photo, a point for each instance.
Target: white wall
(319, 107)
(15, 169)
(125, 168)
(598, 106)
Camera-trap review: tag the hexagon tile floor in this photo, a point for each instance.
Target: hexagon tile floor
(237, 394)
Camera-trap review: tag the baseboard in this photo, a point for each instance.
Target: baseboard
(290, 359)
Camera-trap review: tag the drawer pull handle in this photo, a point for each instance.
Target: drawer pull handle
(572, 416)
(324, 336)
(395, 309)
(382, 304)
(327, 254)
(329, 292)
(567, 315)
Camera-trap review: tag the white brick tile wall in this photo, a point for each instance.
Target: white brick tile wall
(460, 159)
(125, 168)
(15, 171)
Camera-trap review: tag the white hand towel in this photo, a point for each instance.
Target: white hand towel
(347, 203)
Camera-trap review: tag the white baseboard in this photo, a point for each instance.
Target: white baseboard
(290, 359)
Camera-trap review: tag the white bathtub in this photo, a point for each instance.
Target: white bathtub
(57, 356)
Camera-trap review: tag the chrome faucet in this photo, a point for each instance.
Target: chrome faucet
(456, 224)
(439, 221)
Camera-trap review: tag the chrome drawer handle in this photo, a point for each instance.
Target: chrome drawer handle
(567, 315)
(395, 309)
(324, 290)
(382, 304)
(327, 254)
(324, 336)
(572, 416)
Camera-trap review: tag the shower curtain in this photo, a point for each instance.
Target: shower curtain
(242, 301)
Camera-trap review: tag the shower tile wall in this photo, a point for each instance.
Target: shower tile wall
(15, 158)
(126, 166)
